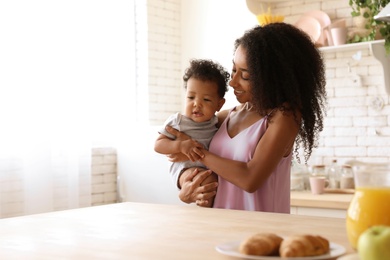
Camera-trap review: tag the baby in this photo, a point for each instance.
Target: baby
(205, 83)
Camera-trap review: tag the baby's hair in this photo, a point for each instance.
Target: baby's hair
(208, 70)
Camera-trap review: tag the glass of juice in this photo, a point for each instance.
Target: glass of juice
(371, 203)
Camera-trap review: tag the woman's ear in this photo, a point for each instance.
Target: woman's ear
(220, 103)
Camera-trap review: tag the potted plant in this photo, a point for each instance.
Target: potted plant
(367, 9)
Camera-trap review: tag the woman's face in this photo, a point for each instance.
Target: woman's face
(240, 77)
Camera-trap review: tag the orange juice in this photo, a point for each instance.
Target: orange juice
(370, 206)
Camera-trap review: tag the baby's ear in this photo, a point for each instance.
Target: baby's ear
(220, 103)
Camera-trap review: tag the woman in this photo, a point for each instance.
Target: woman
(278, 78)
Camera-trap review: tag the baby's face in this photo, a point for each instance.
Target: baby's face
(202, 100)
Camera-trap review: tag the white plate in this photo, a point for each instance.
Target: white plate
(231, 249)
(321, 16)
(311, 26)
(324, 20)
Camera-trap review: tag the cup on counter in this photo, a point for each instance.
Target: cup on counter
(318, 184)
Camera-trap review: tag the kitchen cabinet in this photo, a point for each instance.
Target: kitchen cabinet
(319, 212)
(323, 205)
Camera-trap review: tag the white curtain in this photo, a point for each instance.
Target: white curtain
(66, 84)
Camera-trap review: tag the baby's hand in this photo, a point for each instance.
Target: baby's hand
(191, 149)
(177, 157)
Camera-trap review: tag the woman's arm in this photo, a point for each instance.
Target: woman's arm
(276, 143)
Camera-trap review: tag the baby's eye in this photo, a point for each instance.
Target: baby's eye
(190, 97)
(206, 99)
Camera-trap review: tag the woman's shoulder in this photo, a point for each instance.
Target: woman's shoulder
(285, 111)
(285, 118)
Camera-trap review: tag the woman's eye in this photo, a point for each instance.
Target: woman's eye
(245, 77)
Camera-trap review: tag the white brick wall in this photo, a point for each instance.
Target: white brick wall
(164, 45)
(11, 192)
(103, 188)
(104, 176)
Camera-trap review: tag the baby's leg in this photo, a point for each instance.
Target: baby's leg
(212, 178)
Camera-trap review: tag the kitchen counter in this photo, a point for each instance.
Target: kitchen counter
(325, 200)
(149, 231)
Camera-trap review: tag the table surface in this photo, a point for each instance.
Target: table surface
(149, 231)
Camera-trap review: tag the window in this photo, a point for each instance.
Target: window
(67, 84)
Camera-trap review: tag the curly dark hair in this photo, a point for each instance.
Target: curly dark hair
(286, 72)
(208, 70)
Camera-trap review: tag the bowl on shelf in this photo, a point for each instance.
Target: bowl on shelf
(267, 18)
(324, 20)
(311, 26)
(315, 23)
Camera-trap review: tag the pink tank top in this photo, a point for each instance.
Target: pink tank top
(273, 195)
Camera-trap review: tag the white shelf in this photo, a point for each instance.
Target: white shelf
(376, 48)
(352, 46)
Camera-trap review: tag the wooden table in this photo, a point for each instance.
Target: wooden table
(148, 231)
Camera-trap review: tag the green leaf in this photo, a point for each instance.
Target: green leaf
(355, 13)
(387, 47)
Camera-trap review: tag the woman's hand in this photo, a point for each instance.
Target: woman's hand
(191, 189)
(189, 148)
(192, 154)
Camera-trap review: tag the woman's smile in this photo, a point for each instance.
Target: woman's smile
(238, 92)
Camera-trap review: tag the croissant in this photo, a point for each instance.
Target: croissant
(303, 245)
(261, 244)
